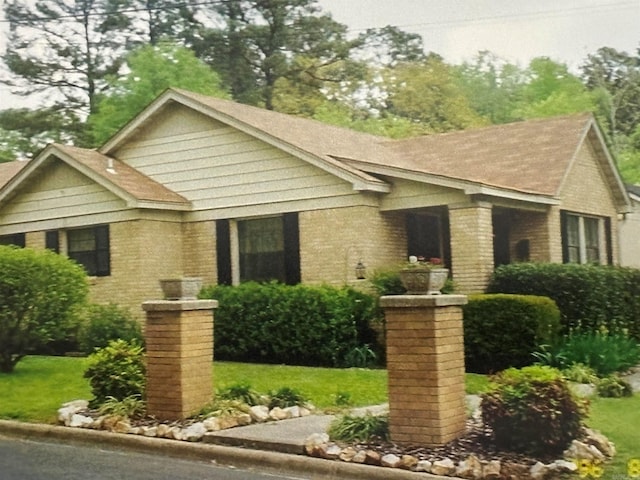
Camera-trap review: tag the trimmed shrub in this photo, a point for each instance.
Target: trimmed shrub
(40, 292)
(502, 331)
(532, 411)
(590, 297)
(614, 387)
(602, 352)
(116, 371)
(103, 323)
(295, 325)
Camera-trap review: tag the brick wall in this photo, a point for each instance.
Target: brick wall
(333, 241)
(471, 230)
(200, 251)
(542, 229)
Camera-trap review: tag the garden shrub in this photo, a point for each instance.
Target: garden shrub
(590, 297)
(129, 407)
(532, 411)
(604, 353)
(242, 392)
(360, 428)
(103, 323)
(40, 292)
(286, 397)
(295, 325)
(116, 371)
(502, 331)
(613, 386)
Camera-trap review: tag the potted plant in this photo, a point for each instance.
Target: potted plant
(181, 288)
(423, 277)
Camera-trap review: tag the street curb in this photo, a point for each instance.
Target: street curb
(259, 460)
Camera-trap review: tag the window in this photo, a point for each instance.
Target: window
(52, 241)
(90, 248)
(428, 236)
(584, 239)
(17, 239)
(267, 249)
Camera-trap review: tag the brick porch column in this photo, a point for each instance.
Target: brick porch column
(179, 341)
(425, 365)
(471, 228)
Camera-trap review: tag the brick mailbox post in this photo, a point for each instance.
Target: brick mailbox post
(179, 341)
(425, 365)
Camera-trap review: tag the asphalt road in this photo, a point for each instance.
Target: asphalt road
(32, 460)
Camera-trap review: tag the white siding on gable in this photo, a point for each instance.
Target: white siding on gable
(59, 193)
(216, 166)
(409, 194)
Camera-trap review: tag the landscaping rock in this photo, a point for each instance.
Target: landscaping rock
(601, 442)
(314, 442)
(164, 431)
(80, 421)
(581, 450)
(212, 424)
(443, 467)
(259, 413)
(278, 413)
(470, 468)
(390, 460)
(563, 466)
(347, 454)
(360, 457)
(294, 412)
(372, 457)
(331, 451)
(514, 471)
(491, 469)
(195, 432)
(243, 419)
(423, 466)
(408, 462)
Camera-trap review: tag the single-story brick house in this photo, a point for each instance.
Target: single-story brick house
(199, 186)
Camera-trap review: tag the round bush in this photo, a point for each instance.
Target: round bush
(103, 323)
(116, 371)
(40, 292)
(502, 331)
(532, 411)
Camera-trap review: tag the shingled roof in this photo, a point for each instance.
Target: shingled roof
(116, 176)
(530, 156)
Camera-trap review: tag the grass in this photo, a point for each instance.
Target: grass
(619, 420)
(39, 385)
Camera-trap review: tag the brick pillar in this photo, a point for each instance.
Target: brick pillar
(179, 341)
(425, 365)
(471, 228)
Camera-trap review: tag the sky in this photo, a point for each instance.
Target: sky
(514, 30)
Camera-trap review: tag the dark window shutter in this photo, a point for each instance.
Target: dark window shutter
(563, 234)
(103, 256)
(291, 248)
(223, 252)
(609, 246)
(52, 241)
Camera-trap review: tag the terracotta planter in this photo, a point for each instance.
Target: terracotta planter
(424, 280)
(186, 288)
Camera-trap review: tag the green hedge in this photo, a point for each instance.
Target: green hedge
(502, 331)
(295, 325)
(590, 297)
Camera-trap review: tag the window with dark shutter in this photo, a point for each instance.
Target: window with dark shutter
(17, 239)
(52, 241)
(90, 248)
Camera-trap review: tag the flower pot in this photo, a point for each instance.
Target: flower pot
(424, 280)
(186, 288)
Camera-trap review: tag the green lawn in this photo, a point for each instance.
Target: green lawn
(39, 385)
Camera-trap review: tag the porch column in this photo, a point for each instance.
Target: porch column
(179, 341)
(471, 228)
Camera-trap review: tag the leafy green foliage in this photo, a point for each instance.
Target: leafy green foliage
(103, 323)
(224, 407)
(387, 282)
(590, 297)
(295, 325)
(39, 295)
(368, 427)
(532, 411)
(614, 386)
(152, 70)
(130, 407)
(242, 392)
(580, 373)
(604, 353)
(502, 331)
(286, 397)
(116, 371)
